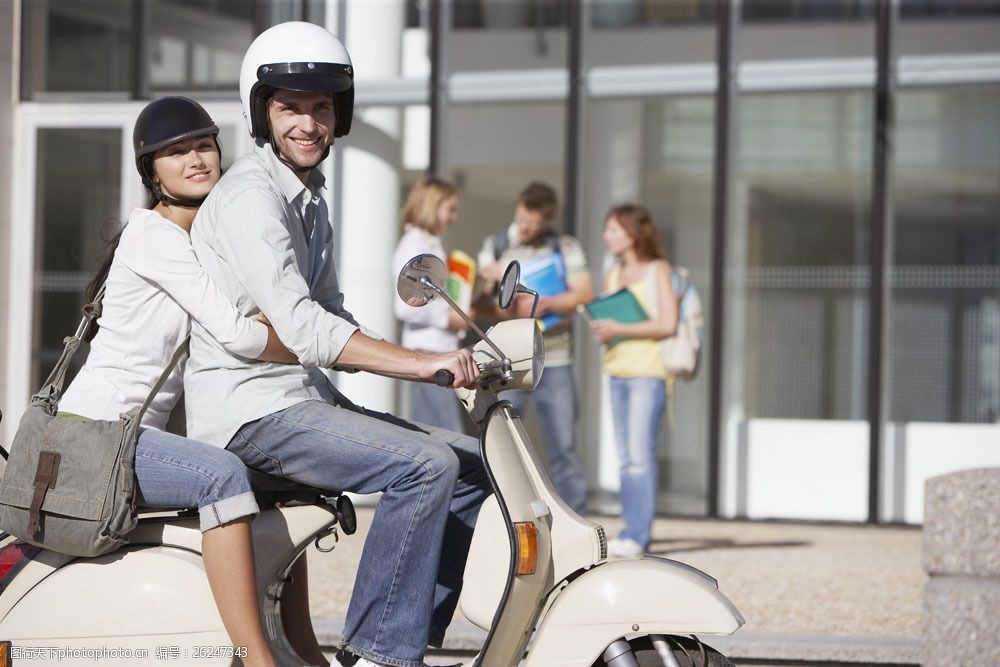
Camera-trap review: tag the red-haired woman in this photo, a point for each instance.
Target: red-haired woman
(635, 365)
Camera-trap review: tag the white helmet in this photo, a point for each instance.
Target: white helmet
(295, 56)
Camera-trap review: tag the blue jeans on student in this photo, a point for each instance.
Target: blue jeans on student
(433, 483)
(172, 471)
(437, 406)
(555, 400)
(637, 405)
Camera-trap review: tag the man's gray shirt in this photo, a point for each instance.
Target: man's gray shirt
(266, 241)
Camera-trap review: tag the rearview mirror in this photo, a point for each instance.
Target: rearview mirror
(412, 284)
(508, 285)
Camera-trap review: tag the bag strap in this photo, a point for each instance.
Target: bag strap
(651, 289)
(54, 383)
(501, 241)
(178, 353)
(499, 244)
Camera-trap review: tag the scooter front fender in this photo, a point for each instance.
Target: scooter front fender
(628, 597)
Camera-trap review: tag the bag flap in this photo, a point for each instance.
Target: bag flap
(89, 452)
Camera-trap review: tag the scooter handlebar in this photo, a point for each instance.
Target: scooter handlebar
(444, 378)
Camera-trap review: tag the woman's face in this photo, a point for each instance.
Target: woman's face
(616, 238)
(447, 213)
(188, 169)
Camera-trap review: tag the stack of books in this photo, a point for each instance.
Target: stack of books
(461, 278)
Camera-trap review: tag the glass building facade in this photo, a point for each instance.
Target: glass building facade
(750, 129)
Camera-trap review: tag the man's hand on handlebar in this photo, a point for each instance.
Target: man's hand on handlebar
(460, 364)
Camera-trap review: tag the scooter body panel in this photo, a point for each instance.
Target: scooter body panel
(576, 543)
(132, 592)
(152, 595)
(523, 595)
(628, 597)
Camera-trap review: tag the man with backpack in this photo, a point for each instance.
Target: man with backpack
(559, 258)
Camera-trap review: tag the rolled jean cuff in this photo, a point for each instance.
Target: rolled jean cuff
(380, 659)
(228, 509)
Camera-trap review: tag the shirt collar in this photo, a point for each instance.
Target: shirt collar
(289, 183)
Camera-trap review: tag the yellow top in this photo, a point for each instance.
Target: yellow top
(636, 357)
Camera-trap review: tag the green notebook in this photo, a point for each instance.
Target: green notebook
(621, 306)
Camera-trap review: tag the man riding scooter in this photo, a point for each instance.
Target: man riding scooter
(264, 237)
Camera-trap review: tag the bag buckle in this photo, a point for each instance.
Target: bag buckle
(46, 475)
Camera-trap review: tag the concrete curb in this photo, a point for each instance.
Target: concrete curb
(761, 646)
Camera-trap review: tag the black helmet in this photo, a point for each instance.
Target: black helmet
(164, 122)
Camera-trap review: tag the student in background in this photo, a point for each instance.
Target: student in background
(635, 366)
(530, 236)
(430, 209)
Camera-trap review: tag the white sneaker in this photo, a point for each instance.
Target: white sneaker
(624, 548)
(346, 659)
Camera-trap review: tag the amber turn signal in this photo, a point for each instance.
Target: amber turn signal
(527, 547)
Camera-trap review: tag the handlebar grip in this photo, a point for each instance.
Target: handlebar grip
(444, 378)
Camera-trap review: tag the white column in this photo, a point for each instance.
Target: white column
(369, 210)
(615, 136)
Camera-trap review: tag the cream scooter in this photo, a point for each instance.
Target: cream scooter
(538, 579)
(149, 603)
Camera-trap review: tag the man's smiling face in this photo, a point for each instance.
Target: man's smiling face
(302, 125)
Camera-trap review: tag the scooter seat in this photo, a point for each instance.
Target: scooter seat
(272, 490)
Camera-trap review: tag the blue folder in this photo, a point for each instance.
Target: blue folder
(547, 276)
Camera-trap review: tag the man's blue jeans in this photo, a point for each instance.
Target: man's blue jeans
(437, 406)
(433, 483)
(637, 405)
(555, 399)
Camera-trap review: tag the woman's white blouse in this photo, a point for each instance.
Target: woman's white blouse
(154, 287)
(424, 328)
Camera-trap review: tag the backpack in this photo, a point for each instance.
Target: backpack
(682, 351)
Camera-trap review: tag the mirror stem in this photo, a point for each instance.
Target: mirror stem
(426, 282)
(534, 305)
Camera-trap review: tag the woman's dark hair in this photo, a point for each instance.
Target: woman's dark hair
(638, 224)
(101, 275)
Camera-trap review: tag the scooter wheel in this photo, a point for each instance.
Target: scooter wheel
(684, 651)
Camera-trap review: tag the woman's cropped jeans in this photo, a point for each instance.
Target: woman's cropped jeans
(172, 471)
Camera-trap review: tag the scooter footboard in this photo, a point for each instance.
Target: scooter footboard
(627, 597)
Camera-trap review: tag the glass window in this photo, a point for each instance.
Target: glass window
(945, 337)
(658, 152)
(93, 47)
(197, 46)
(796, 348)
(802, 239)
(523, 142)
(508, 14)
(77, 47)
(656, 33)
(946, 29)
(948, 9)
(506, 35)
(77, 209)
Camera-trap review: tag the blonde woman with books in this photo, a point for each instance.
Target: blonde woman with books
(430, 209)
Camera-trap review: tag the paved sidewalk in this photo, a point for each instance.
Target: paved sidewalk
(828, 592)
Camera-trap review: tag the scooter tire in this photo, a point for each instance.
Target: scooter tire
(687, 652)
